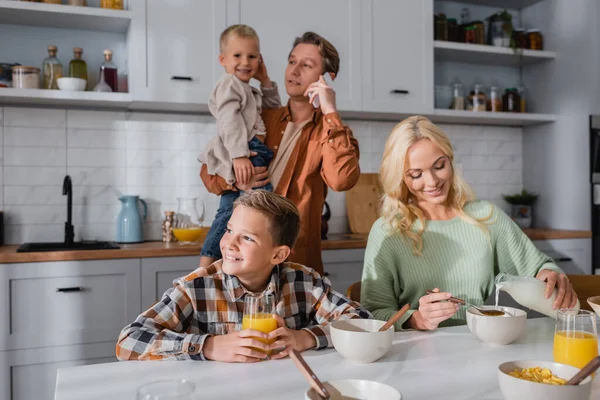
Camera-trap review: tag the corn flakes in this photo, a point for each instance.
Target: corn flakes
(539, 375)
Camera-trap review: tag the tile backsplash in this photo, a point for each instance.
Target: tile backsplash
(153, 155)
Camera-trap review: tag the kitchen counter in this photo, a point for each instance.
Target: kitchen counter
(337, 241)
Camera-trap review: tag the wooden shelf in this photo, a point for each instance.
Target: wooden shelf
(64, 16)
(491, 55)
(59, 98)
(491, 118)
(502, 4)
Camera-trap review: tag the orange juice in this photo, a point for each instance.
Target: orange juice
(263, 323)
(575, 348)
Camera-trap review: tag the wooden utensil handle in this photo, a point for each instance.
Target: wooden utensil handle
(395, 318)
(308, 373)
(451, 299)
(585, 371)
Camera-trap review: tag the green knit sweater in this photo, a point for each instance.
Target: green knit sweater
(457, 257)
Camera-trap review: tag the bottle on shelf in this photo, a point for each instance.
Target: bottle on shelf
(109, 72)
(77, 66)
(52, 69)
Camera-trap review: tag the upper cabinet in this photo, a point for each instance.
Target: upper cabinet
(397, 55)
(278, 23)
(181, 42)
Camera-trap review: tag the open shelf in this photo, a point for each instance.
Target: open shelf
(490, 55)
(64, 16)
(59, 98)
(509, 4)
(491, 118)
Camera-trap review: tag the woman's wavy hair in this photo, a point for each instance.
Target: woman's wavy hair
(399, 209)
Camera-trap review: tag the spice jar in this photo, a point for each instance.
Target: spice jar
(441, 27)
(470, 35)
(535, 39)
(453, 31)
(25, 77)
(477, 99)
(511, 101)
(520, 38)
(458, 96)
(167, 227)
(495, 103)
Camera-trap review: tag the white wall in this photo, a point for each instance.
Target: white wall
(154, 155)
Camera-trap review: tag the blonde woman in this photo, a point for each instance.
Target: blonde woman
(433, 234)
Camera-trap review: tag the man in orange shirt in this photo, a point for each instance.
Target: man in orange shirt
(312, 148)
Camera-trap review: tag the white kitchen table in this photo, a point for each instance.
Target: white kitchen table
(449, 363)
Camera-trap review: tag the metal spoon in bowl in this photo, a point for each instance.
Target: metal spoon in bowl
(482, 311)
(586, 371)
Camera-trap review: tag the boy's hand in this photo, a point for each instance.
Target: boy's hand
(261, 74)
(243, 169)
(289, 339)
(235, 347)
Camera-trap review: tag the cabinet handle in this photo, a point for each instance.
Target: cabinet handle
(70, 289)
(181, 78)
(399, 91)
(563, 259)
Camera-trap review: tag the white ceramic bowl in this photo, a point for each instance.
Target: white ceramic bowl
(594, 302)
(71, 84)
(358, 340)
(356, 389)
(500, 330)
(518, 389)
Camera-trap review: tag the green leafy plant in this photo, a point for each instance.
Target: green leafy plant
(524, 198)
(507, 26)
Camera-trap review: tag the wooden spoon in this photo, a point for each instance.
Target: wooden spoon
(308, 373)
(395, 318)
(586, 371)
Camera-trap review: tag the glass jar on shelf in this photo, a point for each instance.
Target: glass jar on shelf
(441, 27)
(477, 100)
(112, 4)
(24, 77)
(52, 69)
(535, 39)
(520, 38)
(77, 66)
(495, 102)
(458, 96)
(109, 72)
(511, 101)
(453, 30)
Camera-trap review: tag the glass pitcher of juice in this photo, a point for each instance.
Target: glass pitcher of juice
(528, 292)
(258, 315)
(575, 337)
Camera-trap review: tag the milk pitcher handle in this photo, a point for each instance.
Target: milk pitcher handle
(145, 209)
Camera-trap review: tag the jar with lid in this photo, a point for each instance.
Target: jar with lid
(441, 27)
(458, 96)
(112, 4)
(453, 31)
(535, 39)
(477, 99)
(495, 103)
(470, 35)
(520, 38)
(511, 101)
(77, 66)
(109, 72)
(167, 227)
(52, 69)
(25, 77)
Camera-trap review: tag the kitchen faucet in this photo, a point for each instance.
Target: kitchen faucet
(68, 191)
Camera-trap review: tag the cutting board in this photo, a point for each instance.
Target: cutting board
(363, 202)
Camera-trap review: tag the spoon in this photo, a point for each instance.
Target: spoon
(482, 311)
(308, 373)
(586, 371)
(395, 318)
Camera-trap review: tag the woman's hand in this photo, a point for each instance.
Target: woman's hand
(433, 310)
(236, 347)
(565, 296)
(262, 75)
(288, 339)
(326, 95)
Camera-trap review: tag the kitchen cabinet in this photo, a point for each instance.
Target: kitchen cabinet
(397, 55)
(158, 275)
(31, 374)
(177, 51)
(574, 256)
(278, 24)
(67, 302)
(343, 267)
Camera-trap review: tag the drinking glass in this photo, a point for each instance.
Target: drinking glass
(170, 389)
(258, 315)
(575, 337)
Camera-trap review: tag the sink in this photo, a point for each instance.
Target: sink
(61, 246)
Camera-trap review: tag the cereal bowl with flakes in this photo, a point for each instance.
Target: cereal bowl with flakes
(541, 380)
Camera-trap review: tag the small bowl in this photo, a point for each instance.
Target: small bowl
(518, 389)
(594, 302)
(190, 234)
(71, 84)
(500, 330)
(358, 340)
(356, 389)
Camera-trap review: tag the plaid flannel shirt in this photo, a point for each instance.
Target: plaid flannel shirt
(209, 302)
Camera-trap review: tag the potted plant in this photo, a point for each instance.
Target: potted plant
(500, 29)
(521, 207)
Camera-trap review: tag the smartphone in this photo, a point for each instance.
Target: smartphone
(316, 103)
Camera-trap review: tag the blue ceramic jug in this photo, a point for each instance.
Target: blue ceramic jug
(130, 223)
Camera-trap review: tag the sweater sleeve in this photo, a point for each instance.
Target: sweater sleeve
(514, 252)
(231, 126)
(381, 286)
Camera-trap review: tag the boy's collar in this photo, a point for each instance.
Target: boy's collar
(237, 291)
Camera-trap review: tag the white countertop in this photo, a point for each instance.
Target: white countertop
(447, 364)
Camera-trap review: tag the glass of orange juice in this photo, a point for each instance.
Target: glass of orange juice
(258, 315)
(575, 337)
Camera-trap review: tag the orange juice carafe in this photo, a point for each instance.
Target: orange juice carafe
(575, 338)
(258, 315)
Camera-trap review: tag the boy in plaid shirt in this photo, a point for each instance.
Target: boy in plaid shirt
(201, 316)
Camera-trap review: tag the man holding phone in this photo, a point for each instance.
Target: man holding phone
(313, 149)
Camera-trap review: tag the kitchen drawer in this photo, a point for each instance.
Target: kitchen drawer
(60, 303)
(158, 275)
